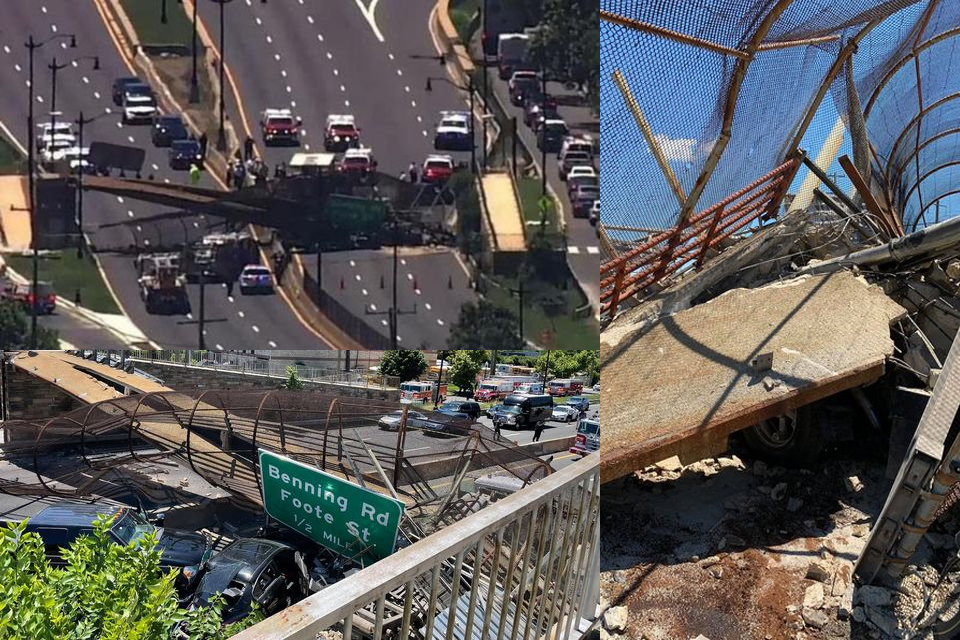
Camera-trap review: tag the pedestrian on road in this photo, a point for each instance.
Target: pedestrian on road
(194, 174)
(203, 145)
(229, 177)
(248, 148)
(496, 428)
(229, 288)
(412, 170)
(537, 431)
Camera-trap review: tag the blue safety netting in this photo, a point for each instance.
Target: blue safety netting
(898, 95)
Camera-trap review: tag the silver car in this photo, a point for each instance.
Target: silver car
(391, 421)
(564, 413)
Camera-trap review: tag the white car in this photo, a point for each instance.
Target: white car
(453, 131)
(391, 421)
(256, 278)
(564, 413)
(595, 213)
(139, 104)
(581, 171)
(54, 131)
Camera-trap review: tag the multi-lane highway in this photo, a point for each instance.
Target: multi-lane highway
(338, 58)
(264, 322)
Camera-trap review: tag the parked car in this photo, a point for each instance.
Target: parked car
(166, 129)
(580, 403)
(493, 410)
(256, 278)
(564, 413)
(468, 408)
(184, 153)
(252, 571)
(533, 410)
(63, 522)
(45, 300)
(391, 421)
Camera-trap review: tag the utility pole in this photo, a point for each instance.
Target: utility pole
(519, 291)
(194, 85)
(221, 135)
(543, 141)
(486, 96)
(546, 371)
(202, 319)
(394, 312)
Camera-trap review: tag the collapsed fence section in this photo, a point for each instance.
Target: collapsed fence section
(687, 244)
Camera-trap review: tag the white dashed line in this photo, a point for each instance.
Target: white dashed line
(273, 345)
(96, 94)
(53, 28)
(419, 119)
(241, 314)
(86, 80)
(353, 263)
(343, 89)
(17, 67)
(269, 40)
(427, 305)
(403, 261)
(6, 48)
(255, 328)
(130, 212)
(219, 347)
(310, 19)
(413, 103)
(390, 55)
(399, 72)
(329, 56)
(259, 22)
(120, 199)
(409, 276)
(155, 167)
(283, 72)
(146, 242)
(425, 134)
(320, 37)
(383, 322)
(573, 250)
(336, 72)
(357, 276)
(440, 322)
(39, 98)
(593, 250)
(130, 138)
(43, 9)
(293, 103)
(346, 102)
(189, 316)
(276, 57)
(364, 292)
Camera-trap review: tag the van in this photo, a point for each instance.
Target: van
(533, 410)
(511, 52)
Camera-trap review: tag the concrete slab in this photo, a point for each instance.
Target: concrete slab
(685, 381)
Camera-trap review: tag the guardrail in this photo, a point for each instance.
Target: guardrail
(524, 567)
(686, 244)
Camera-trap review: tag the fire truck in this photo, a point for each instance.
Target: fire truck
(587, 439)
(493, 390)
(565, 387)
(416, 391)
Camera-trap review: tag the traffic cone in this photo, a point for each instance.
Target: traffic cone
(449, 282)
(341, 282)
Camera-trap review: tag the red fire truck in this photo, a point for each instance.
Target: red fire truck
(565, 387)
(416, 391)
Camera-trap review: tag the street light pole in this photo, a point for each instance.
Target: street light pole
(473, 136)
(194, 86)
(221, 136)
(543, 143)
(80, 123)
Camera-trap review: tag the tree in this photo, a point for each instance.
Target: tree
(15, 329)
(405, 364)
(105, 591)
(482, 324)
(293, 381)
(464, 367)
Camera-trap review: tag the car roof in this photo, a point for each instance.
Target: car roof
(170, 118)
(73, 513)
(254, 266)
(435, 157)
(248, 549)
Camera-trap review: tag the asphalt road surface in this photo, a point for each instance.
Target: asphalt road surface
(332, 58)
(262, 322)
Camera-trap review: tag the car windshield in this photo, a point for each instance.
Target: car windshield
(356, 160)
(438, 164)
(453, 406)
(257, 271)
(184, 145)
(343, 128)
(588, 428)
(140, 100)
(131, 527)
(280, 122)
(452, 122)
(512, 408)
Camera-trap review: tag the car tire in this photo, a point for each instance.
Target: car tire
(791, 440)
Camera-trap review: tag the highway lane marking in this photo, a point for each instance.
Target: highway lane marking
(593, 250)
(310, 19)
(255, 328)
(336, 72)
(439, 322)
(273, 345)
(218, 347)
(17, 67)
(320, 37)
(369, 14)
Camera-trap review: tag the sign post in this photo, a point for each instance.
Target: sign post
(338, 514)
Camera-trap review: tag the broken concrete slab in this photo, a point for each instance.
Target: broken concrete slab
(685, 380)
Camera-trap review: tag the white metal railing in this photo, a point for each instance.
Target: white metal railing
(248, 363)
(523, 567)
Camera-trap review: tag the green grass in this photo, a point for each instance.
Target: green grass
(11, 162)
(67, 274)
(462, 13)
(568, 332)
(145, 16)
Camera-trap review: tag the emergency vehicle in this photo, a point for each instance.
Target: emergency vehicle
(437, 168)
(416, 391)
(493, 390)
(453, 132)
(341, 133)
(565, 387)
(357, 162)
(587, 439)
(280, 126)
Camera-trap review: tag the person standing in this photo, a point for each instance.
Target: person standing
(248, 148)
(203, 145)
(412, 170)
(537, 431)
(497, 423)
(229, 287)
(194, 174)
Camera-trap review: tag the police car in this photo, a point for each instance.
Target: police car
(341, 133)
(453, 132)
(437, 168)
(279, 126)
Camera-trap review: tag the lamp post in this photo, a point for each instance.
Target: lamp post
(81, 121)
(473, 140)
(54, 68)
(221, 136)
(31, 46)
(194, 86)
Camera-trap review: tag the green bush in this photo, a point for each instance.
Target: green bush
(104, 592)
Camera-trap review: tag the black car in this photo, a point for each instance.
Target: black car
(183, 153)
(471, 409)
(252, 570)
(167, 129)
(60, 524)
(120, 85)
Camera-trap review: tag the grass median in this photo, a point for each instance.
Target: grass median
(145, 17)
(68, 274)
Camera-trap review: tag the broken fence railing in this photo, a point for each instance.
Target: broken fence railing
(687, 244)
(523, 567)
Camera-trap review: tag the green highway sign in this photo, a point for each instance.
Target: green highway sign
(362, 215)
(331, 511)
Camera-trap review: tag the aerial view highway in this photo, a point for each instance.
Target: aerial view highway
(344, 147)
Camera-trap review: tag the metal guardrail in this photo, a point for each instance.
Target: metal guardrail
(524, 567)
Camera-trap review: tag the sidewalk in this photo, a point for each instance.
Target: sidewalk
(505, 218)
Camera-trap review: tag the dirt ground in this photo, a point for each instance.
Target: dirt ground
(732, 549)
